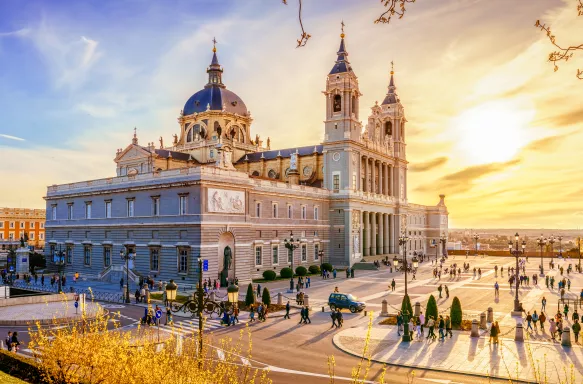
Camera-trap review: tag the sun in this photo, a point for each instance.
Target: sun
(494, 131)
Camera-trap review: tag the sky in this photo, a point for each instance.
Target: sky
(490, 124)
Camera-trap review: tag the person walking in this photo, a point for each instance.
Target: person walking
(399, 323)
(15, 342)
(421, 322)
(544, 304)
(496, 290)
(575, 315)
(411, 328)
(121, 283)
(8, 341)
(258, 290)
(235, 315)
(307, 316)
(260, 312)
(441, 326)
(334, 273)
(302, 315)
(446, 292)
(419, 332)
(287, 308)
(448, 327)
(393, 286)
(528, 321)
(339, 318)
(552, 328)
(252, 314)
(568, 284)
(576, 329)
(566, 311)
(535, 319)
(542, 318)
(439, 289)
(42, 279)
(333, 317)
(493, 333)
(137, 295)
(431, 326)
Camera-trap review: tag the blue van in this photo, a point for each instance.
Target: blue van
(345, 301)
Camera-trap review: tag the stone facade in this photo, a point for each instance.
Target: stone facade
(220, 195)
(16, 222)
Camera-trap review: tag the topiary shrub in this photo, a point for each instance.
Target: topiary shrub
(266, 297)
(456, 312)
(406, 306)
(301, 271)
(314, 269)
(269, 275)
(431, 309)
(250, 296)
(286, 273)
(327, 267)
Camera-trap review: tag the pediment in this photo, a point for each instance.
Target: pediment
(132, 152)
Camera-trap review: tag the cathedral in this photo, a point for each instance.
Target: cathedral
(220, 193)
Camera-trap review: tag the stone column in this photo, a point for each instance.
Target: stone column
(373, 233)
(391, 183)
(365, 234)
(366, 175)
(381, 242)
(373, 185)
(386, 249)
(381, 179)
(391, 233)
(387, 180)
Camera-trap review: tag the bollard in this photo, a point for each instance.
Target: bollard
(322, 308)
(417, 309)
(364, 313)
(490, 315)
(279, 299)
(475, 332)
(307, 300)
(519, 335)
(566, 337)
(384, 309)
(483, 321)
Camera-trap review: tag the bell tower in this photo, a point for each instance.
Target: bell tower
(342, 99)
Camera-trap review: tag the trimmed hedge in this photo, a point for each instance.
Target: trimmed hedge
(314, 269)
(286, 273)
(431, 309)
(301, 271)
(327, 267)
(266, 297)
(250, 296)
(269, 275)
(21, 367)
(406, 306)
(456, 312)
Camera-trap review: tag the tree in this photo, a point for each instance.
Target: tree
(406, 306)
(456, 312)
(250, 296)
(431, 309)
(266, 297)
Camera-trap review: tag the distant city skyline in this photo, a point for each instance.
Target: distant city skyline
(490, 124)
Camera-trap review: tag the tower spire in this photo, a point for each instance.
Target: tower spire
(214, 70)
(342, 64)
(391, 97)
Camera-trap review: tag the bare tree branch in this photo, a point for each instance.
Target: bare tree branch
(303, 40)
(394, 7)
(563, 53)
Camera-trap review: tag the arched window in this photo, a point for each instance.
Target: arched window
(388, 128)
(218, 128)
(189, 136)
(337, 103)
(255, 173)
(272, 174)
(354, 105)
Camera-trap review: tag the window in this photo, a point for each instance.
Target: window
(257, 209)
(41, 236)
(69, 254)
(304, 252)
(32, 225)
(12, 224)
(54, 212)
(106, 256)
(289, 211)
(272, 174)
(258, 257)
(290, 256)
(388, 128)
(108, 209)
(303, 212)
(316, 251)
(2, 238)
(87, 255)
(274, 208)
(183, 260)
(337, 103)
(336, 182)
(42, 225)
(22, 225)
(155, 206)
(130, 207)
(316, 211)
(182, 205)
(88, 210)
(11, 236)
(69, 211)
(154, 259)
(31, 235)
(275, 254)
(1, 224)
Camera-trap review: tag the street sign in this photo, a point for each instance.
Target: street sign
(76, 304)
(10, 259)
(158, 314)
(11, 268)
(205, 265)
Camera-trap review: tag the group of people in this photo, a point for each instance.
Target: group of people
(12, 342)
(416, 325)
(326, 273)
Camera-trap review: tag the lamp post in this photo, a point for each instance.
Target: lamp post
(579, 249)
(476, 238)
(552, 242)
(126, 256)
(291, 245)
(59, 260)
(233, 295)
(436, 249)
(442, 241)
(541, 242)
(171, 289)
(321, 256)
(403, 240)
(11, 261)
(560, 238)
(517, 252)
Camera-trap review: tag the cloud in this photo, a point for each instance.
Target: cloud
(19, 33)
(546, 143)
(11, 137)
(568, 118)
(428, 165)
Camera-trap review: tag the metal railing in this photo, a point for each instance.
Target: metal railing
(112, 297)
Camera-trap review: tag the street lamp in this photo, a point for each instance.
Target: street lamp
(415, 262)
(436, 248)
(551, 242)
(59, 260)
(126, 256)
(517, 252)
(443, 240)
(560, 238)
(171, 289)
(233, 294)
(403, 240)
(291, 245)
(476, 238)
(11, 261)
(321, 256)
(541, 242)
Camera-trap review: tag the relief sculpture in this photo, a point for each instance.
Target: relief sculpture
(225, 201)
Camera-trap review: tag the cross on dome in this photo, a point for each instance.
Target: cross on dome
(214, 44)
(342, 28)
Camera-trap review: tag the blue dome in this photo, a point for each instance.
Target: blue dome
(214, 97)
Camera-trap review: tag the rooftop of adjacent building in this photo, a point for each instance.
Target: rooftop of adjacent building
(22, 213)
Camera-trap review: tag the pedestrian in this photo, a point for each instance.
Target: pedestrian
(75, 277)
(8, 341)
(448, 327)
(121, 283)
(431, 325)
(534, 319)
(236, 314)
(576, 329)
(566, 311)
(441, 326)
(496, 290)
(308, 282)
(287, 307)
(542, 318)
(42, 280)
(439, 289)
(169, 319)
(307, 315)
(528, 321)
(258, 290)
(252, 314)
(552, 328)
(568, 284)
(411, 328)
(575, 315)
(302, 315)
(143, 293)
(15, 342)
(421, 321)
(260, 312)
(333, 316)
(226, 319)
(544, 304)
(493, 333)
(446, 292)
(137, 295)
(334, 272)
(339, 317)
(399, 323)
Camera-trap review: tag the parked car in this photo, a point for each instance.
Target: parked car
(345, 301)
